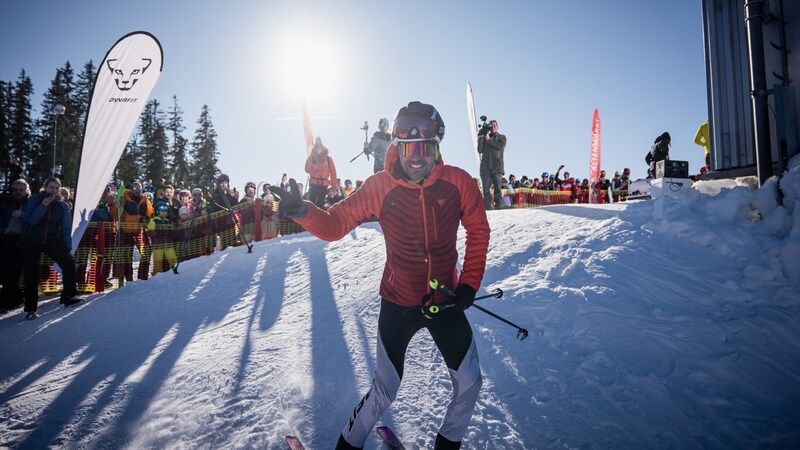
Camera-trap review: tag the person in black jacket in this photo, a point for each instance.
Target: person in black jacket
(49, 231)
(491, 147)
(659, 151)
(11, 229)
(223, 199)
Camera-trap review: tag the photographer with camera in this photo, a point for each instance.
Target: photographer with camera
(49, 231)
(378, 144)
(491, 146)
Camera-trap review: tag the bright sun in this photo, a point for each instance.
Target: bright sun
(308, 65)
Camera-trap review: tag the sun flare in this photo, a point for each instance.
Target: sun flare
(308, 65)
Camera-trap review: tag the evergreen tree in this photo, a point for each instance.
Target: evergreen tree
(153, 142)
(83, 92)
(179, 167)
(5, 119)
(204, 151)
(21, 124)
(68, 136)
(128, 168)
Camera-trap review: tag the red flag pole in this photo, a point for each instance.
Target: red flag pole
(594, 159)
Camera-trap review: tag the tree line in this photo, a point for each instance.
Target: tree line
(157, 149)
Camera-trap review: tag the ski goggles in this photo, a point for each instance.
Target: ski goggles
(417, 148)
(416, 128)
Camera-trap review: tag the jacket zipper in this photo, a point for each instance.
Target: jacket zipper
(46, 224)
(425, 232)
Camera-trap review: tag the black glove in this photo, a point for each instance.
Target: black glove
(367, 151)
(292, 204)
(465, 295)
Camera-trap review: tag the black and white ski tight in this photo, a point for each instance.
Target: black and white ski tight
(452, 334)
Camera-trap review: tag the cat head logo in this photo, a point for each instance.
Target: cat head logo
(128, 73)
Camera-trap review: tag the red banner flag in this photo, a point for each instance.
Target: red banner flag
(594, 160)
(307, 129)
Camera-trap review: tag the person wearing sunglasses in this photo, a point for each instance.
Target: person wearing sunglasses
(491, 147)
(419, 202)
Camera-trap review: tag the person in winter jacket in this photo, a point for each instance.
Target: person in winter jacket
(11, 230)
(419, 202)
(379, 144)
(168, 196)
(659, 151)
(103, 220)
(491, 146)
(161, 230)
(222, 199)
(322, 174)
(702, 139)
(49, 221)
(136, 211)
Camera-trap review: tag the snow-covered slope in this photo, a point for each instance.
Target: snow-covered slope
(658, 324)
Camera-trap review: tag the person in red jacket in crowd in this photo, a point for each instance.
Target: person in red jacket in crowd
(570, 185)
(419, 202)
(322, 173)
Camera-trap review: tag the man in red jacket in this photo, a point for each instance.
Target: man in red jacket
(419, 202)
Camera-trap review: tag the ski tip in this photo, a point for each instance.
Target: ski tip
(294, 443)
(389, 438)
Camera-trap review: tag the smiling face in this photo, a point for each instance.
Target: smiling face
(53, 189)
(417, 167)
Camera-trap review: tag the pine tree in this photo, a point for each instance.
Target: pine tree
(128, 168)
(179, 167)
(83, 92)
(68, 136)
(204, 151)
(21, 125)
(153, 142)
(5, 119)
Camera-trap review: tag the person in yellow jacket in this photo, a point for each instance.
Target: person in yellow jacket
(162, 237)
(701, 139)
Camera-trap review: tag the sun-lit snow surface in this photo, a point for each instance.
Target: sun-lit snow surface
(669, 323)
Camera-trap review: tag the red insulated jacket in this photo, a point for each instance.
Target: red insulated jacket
(420, 224)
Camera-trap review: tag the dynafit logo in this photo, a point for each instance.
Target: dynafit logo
(126, 74)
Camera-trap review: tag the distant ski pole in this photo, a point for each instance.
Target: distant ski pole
(522, 333)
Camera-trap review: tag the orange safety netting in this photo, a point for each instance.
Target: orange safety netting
(114, 256)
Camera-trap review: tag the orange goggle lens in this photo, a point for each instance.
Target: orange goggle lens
(419, 148)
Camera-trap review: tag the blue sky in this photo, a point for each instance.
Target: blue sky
(539, 67)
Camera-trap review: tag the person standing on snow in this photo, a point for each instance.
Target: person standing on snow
(419, 202)
(322, 173)
(492, 146)
(379, 144)
(49, 231)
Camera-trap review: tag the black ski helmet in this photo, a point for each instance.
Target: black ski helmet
(418, 122)
(162, 207)
(223, 178)
(383, 123)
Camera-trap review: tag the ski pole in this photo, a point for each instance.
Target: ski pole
(235, 224)
(522, 333)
